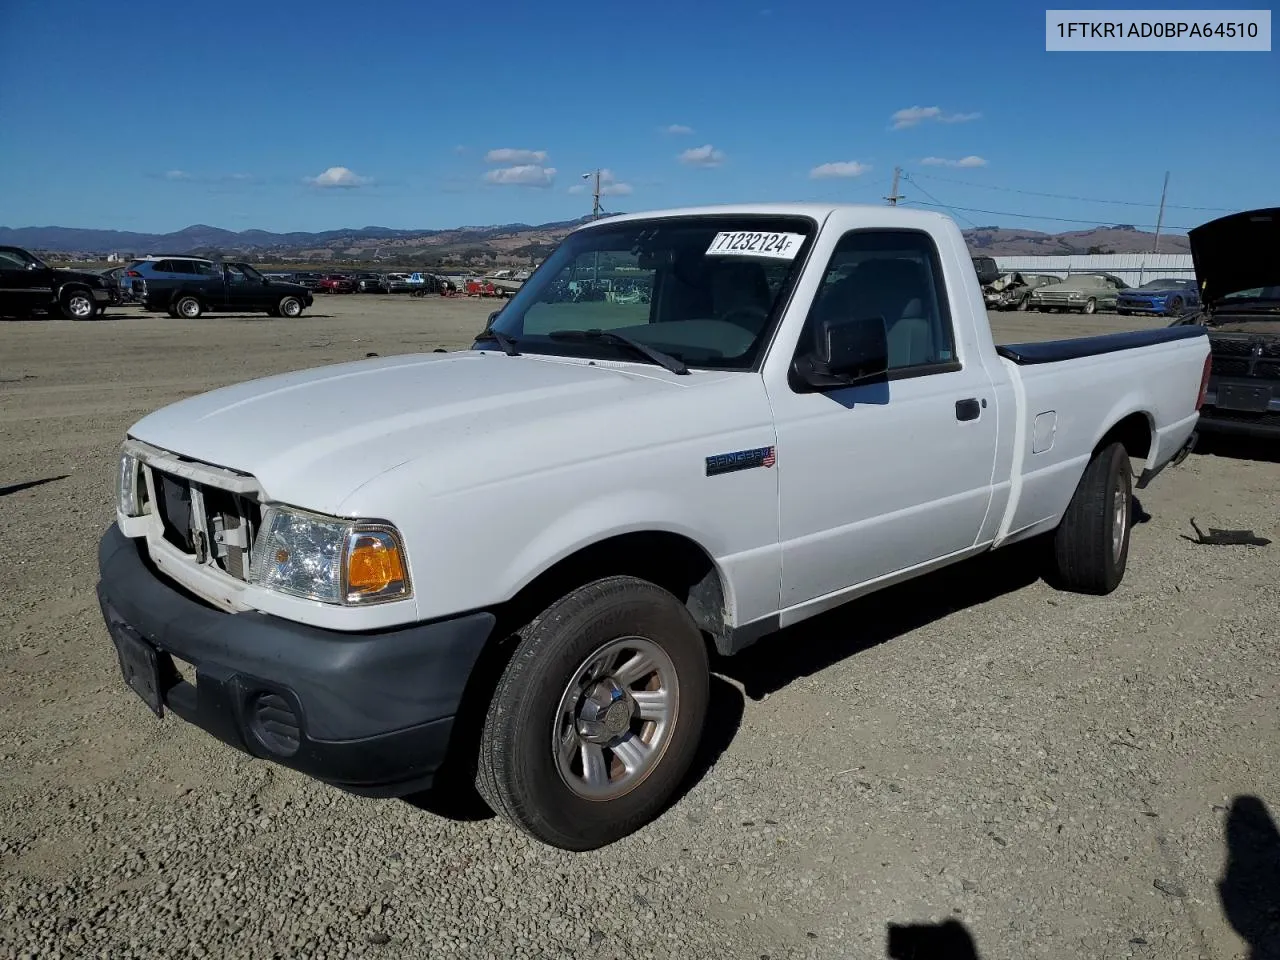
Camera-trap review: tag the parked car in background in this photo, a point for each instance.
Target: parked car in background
(1168, 297)
(370, 283)
(986, 269)
(311, 281)
(1085, 292)
(227, 286)
(112, 275)
(337, 283)
(1013, 290)
(159, 272)
(1238, 273)
(29, 285)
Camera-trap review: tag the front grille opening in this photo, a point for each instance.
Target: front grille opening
(173, 500)
(232, 524)
(227, 525)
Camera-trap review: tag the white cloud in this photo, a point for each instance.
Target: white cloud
(969, 161)
(703, 156)
(677, 130)
(339, 177)
(910, 116)
(610, 185)
(522, 175)
(841, 168)
(508, 155)
(177, 175)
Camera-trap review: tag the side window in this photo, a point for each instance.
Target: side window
(163, 266)
(894, 277)
(184, 266)
(207, 269)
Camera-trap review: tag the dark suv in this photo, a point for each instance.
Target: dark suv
(219, 287)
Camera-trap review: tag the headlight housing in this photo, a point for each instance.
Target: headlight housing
(347, 562)
(128, 501)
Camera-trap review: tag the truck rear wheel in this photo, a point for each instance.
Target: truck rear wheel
(596, 719)
(1091, 544)
(78, 304)
(188, 308)
(289, 307)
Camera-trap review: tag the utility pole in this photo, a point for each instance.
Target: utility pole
(595, 215)
(1160, 216)
(894, 196)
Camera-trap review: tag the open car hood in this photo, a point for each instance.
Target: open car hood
(1236, 252)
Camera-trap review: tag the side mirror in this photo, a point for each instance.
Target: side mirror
(846, 352)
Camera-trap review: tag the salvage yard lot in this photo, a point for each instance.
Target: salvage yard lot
(1055, 772)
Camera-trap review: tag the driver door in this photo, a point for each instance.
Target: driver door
(882, 477)
(244, 288)
(23, 286)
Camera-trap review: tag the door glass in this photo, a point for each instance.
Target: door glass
(891, 277)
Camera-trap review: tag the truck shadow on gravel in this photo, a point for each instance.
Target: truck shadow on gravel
(812, 646)
(1237, 448)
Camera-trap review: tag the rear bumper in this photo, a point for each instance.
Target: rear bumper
(1263, 423)
(370, 713)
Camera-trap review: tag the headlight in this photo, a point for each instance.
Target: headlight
(350, 562)
(127, 500)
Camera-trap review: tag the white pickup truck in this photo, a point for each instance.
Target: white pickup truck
(512, 562)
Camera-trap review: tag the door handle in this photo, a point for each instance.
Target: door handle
(968, 409)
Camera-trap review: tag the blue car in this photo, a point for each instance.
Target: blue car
(158, 273)
(1166, 298)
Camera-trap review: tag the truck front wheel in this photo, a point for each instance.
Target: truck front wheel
(1091, 544)
(597, 717)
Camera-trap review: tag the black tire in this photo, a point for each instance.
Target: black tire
(1091, 544)
(77, 303)
(1090, 306)
(188, 307)
(1175, 307)
(518, 774)
(289, 307)
(173, 313)
(1024, 304)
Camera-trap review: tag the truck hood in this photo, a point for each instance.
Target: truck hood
(1236, 252)
(318, 435)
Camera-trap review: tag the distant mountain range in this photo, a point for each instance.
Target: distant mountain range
(513, 242)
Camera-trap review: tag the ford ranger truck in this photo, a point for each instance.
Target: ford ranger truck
(511, 562)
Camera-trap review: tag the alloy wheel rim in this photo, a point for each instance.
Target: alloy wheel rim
(81, 306)
(1120, 518)
(615, 718)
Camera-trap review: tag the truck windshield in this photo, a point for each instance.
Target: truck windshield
(705, 290)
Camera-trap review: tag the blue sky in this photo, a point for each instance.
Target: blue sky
(320, 115)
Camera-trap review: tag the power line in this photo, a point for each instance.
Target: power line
(958, 216)
(1035, 216)
(1063, 196)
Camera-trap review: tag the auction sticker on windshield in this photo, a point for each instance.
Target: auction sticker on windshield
(745, 243)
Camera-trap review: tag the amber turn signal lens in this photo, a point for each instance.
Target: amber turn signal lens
(374, 566)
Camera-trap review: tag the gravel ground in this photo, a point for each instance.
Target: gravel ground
(1058, 776)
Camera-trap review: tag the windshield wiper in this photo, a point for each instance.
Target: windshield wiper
(505, 341)
(674, 364)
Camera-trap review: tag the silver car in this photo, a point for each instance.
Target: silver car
(1085, 292)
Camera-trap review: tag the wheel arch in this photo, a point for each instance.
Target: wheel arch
(1135, 432)
(671, 560)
